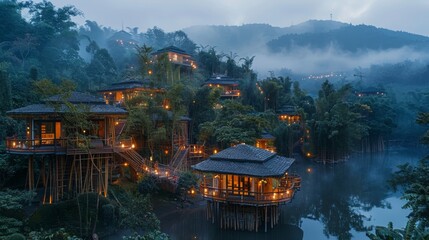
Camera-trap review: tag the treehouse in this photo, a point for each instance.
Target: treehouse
(229, 86)
(244, 186)
(266, 141)
(289, 115)
(72, 139)
(119, 92)
(176, 56)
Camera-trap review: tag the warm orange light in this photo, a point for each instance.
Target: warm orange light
(308, 169)
(123, 145)
(308, 154)
(13, 144)
(150, 72)
(116, 123)
(287, 192)
(166, 152)
(205, 190)
(133, 146)
(215, 151)
(167, 107)
(192, 191)
(125, 164)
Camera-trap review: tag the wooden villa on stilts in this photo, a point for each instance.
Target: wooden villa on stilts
(244, 187)
(68, 160)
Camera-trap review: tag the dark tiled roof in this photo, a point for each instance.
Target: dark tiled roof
(266, 135)
(246, 160)
(76, 97)
(171, 49)
(46, 109)
(121, 35)
(221, 80)
(130, 84)
(288, 109)
(243, 152)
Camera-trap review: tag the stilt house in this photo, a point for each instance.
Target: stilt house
(244, 187)
(63, 159)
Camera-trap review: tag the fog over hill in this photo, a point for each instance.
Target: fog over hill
(315, 46)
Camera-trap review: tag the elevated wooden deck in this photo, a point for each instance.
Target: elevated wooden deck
(280, 195)
(58, 146)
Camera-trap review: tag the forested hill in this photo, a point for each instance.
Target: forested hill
(243, 38)
(350, 38)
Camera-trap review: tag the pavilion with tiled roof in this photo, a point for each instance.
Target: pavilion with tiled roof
(244, 179)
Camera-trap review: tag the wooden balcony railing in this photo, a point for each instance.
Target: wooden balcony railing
(231, 93)
(63, 145)
(25, 146)
(278, 195)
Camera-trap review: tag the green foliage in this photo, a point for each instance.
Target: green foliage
(46, 88)
(12, 210)
(136, 213)
(5, 92)
(79, 216)
(59, 234)
(148, 184)
(423, 119)
(386, 233)
(9, 226)
(336, 127)
(152, 235)
(187, 180)
(15, 236)
(101, 70)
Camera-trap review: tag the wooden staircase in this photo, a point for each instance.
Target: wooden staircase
(178, 162)
(135, 160)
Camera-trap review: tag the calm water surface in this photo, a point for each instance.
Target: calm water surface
(339, 201)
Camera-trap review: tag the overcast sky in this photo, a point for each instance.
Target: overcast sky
(170, 15)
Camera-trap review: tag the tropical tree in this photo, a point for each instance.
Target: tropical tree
(335, 127)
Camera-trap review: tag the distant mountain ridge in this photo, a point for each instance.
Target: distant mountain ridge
(314, 47)
(315, 34)
(350, 38)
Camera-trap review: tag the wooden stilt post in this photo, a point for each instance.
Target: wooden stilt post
(266, 217)
(257, 219)
(106, 176)
(30, 173)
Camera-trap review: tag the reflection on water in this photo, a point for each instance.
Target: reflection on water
(339, 201)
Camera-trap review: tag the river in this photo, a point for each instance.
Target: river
(340, 201)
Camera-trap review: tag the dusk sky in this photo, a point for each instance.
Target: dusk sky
(171, 15)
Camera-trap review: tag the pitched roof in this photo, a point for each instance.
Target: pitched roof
(288, 109)
(246, 160)
(266, 135)
(55, 104)
(129, 84)
(45, 109)
(171, 49)
(221, 80)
